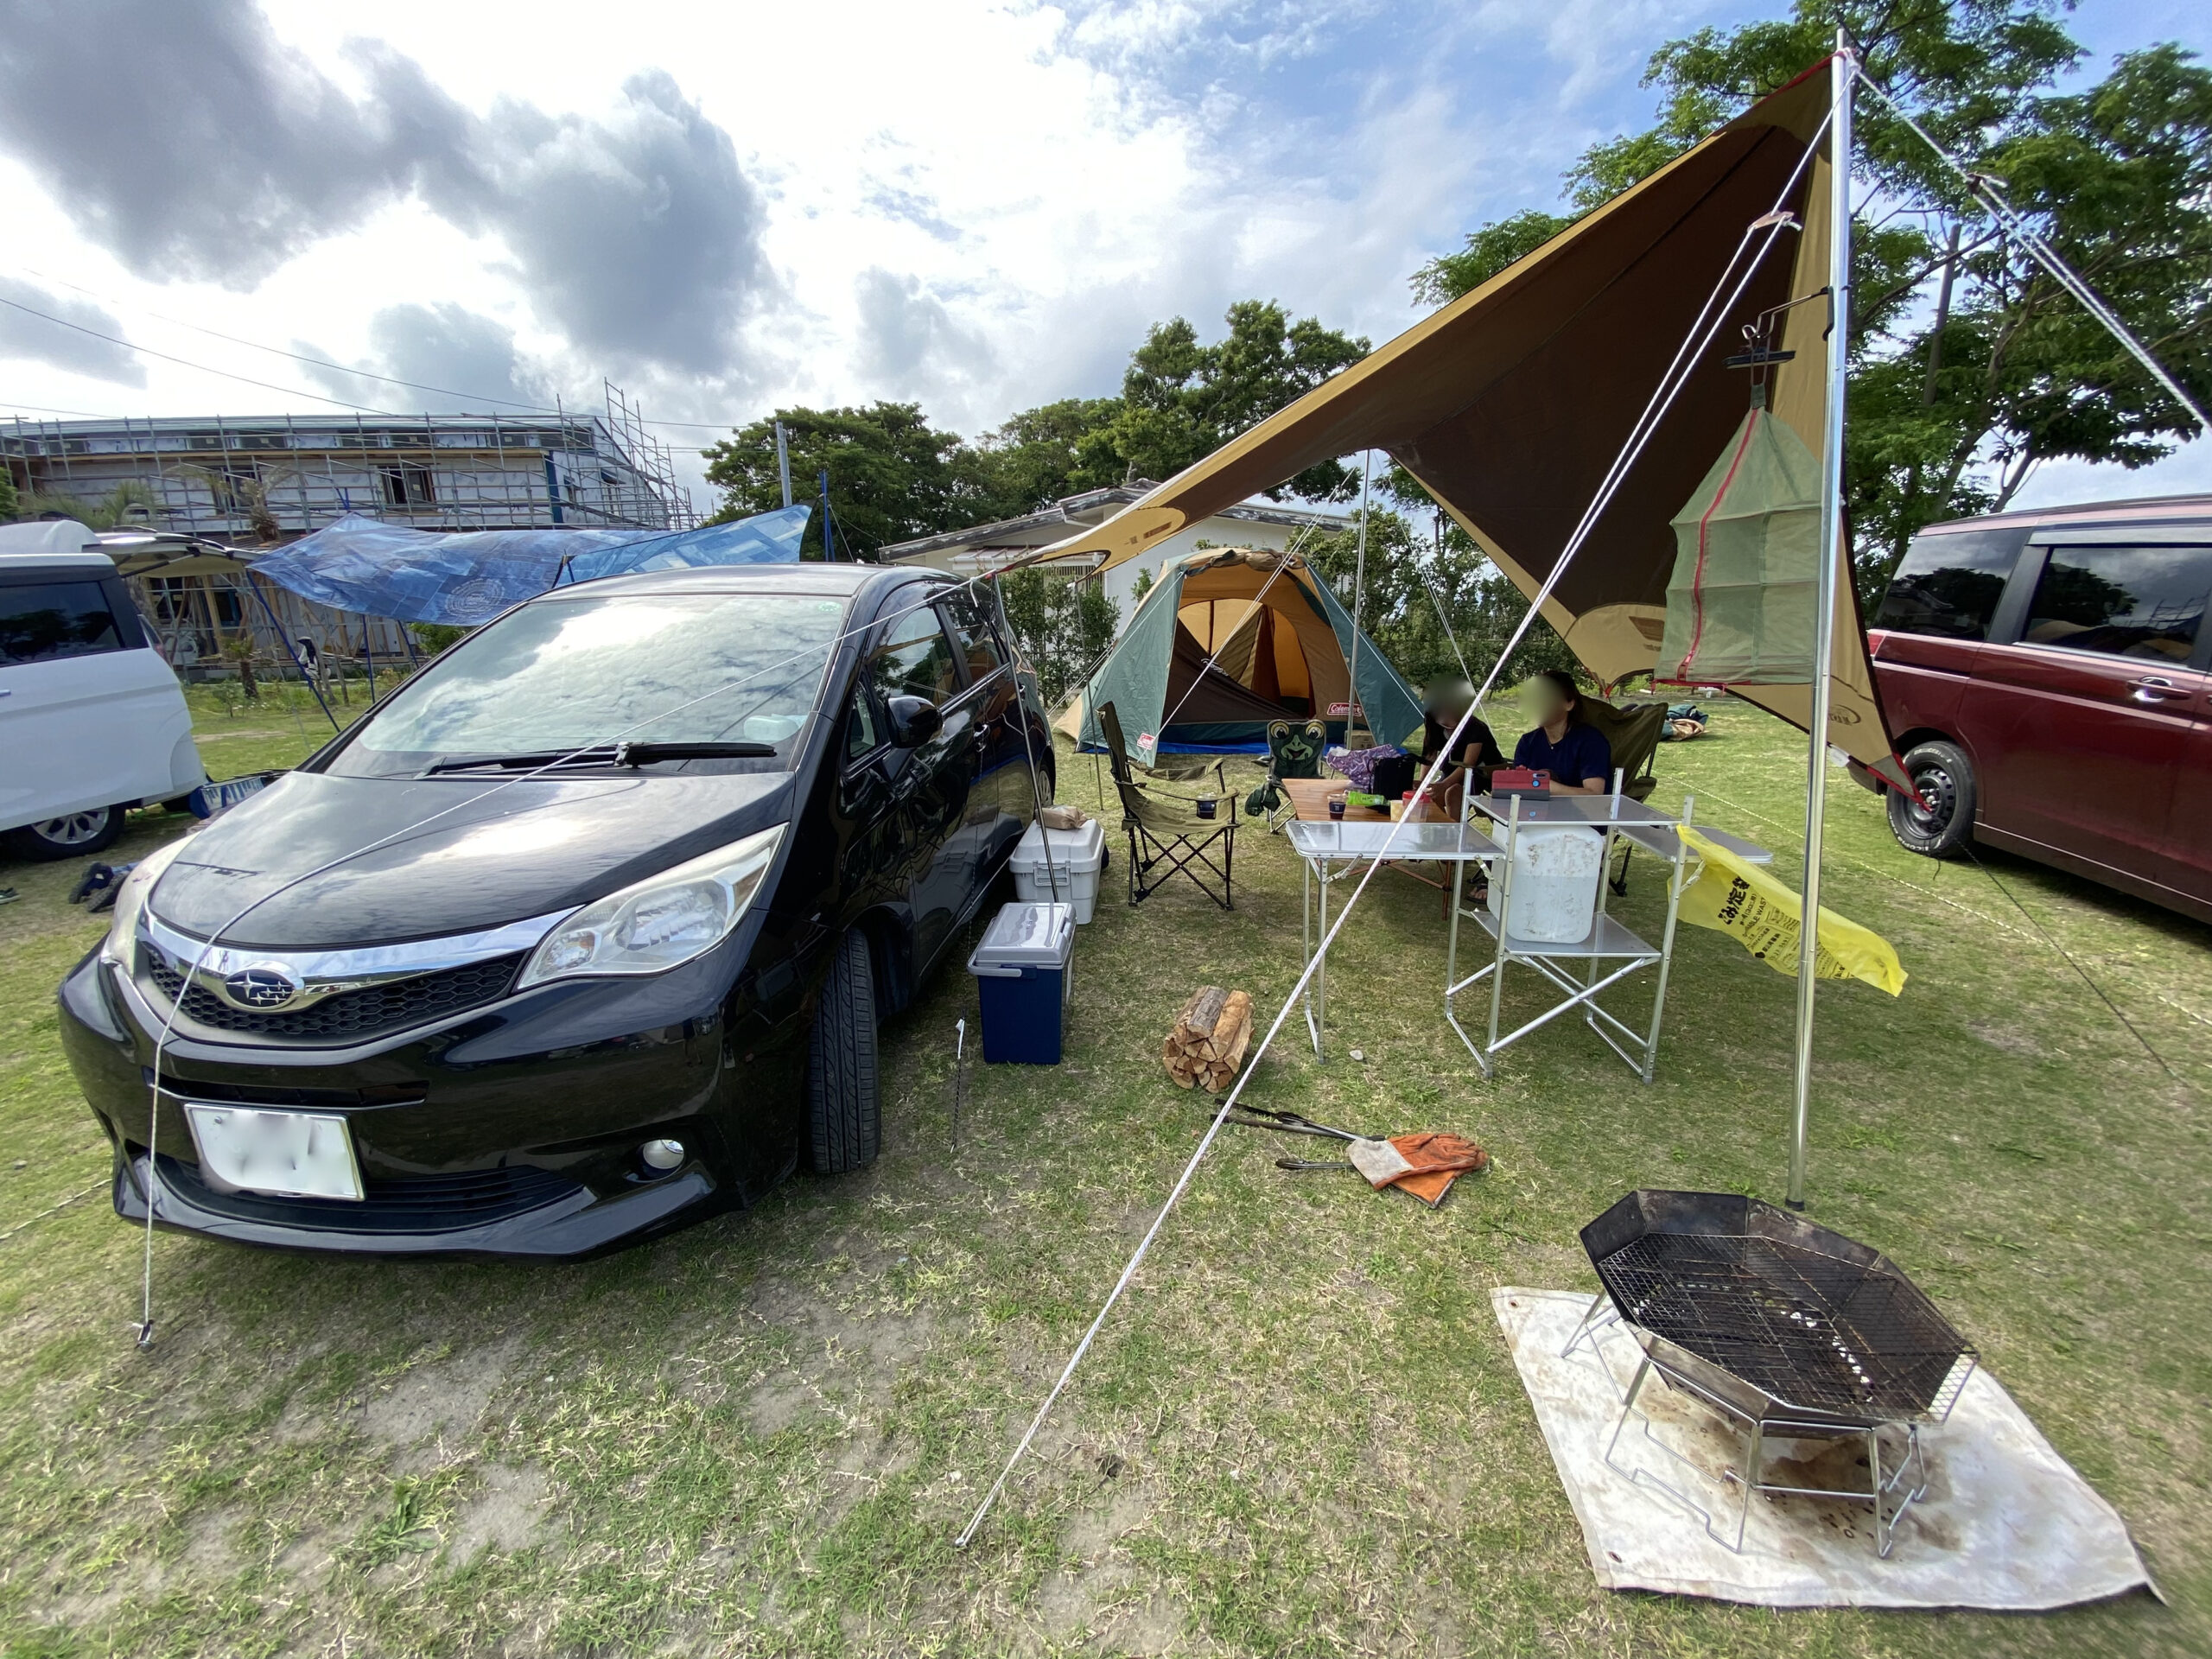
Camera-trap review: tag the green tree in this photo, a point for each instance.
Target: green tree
(1412, 576)
(892, 476)
(1062, 624)
(1970, 367)
(1033, 460)
(1181, 400)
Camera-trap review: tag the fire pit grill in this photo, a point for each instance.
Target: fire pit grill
(1800, 1325)
(1787, 1328)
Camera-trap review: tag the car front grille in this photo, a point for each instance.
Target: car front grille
(349, 1016)
(417, 1204)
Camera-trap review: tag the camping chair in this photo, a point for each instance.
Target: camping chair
(1634, 732)
(1166, 828)
(1293, 751)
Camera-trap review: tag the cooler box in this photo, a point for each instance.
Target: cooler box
(1023, 968)
(1556, 869)
(1077, 856)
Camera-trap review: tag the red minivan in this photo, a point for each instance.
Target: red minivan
(2046, 676)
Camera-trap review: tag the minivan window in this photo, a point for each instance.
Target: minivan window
(1949, 585)
(915, 659)
(974, 633)
(2122, 602)
(564, 674)
(46, 620)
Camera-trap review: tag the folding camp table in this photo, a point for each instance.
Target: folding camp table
(1574, 966)
(1330, 849)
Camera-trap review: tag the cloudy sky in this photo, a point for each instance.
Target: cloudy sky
(722, 207)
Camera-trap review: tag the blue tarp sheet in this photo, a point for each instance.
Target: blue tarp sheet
(359, 564)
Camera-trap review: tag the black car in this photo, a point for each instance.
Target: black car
(583, 936)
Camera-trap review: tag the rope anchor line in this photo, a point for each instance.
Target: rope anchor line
(1701, 332)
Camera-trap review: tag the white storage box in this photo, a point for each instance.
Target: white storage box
(1077, 856)
(1556, 869)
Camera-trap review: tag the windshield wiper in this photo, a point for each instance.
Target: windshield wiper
(601, 756)
(645, 754)
(619, 755)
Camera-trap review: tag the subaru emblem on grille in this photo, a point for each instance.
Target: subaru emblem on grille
(264, 986)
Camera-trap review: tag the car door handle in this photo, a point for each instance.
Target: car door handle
(2152, 688)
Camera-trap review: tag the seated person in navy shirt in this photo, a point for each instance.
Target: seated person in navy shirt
(1478, 752)
(1577, 757)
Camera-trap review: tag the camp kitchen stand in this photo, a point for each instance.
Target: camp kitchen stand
(1330, 851)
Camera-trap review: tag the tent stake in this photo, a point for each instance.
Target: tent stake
(1840, 68)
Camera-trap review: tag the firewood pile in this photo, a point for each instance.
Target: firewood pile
(1210, 1038)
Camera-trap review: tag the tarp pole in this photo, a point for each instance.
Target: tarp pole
(1841, 69)
(1355, 713)
(285, 639)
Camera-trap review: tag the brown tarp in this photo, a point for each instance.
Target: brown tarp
(1511, 403)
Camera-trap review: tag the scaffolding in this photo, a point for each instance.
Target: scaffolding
(234, 487)
(275, 479)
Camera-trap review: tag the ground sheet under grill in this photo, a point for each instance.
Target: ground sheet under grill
(2006, 1523)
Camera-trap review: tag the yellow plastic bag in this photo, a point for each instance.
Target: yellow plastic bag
(1766, 919)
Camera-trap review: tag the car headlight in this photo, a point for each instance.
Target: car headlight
(120, 948)
(661, 923)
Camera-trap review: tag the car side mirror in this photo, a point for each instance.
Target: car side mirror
(914, 720)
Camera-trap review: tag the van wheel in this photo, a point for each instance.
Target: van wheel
(844, 1102)
(1937, 820)
(71, 836)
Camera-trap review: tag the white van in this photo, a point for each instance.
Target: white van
(92, 719)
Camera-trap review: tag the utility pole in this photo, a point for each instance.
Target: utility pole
(828, 542)
(784, 462)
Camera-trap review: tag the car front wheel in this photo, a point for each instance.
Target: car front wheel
(73, 835)
(844, 1102)
(1936, 820)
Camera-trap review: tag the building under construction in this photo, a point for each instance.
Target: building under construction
(254, 485)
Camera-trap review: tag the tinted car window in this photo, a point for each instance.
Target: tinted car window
(1949, 584)
(48, 619)
(977, 643)
(561, 674)
(2123, 601)
(915, 659)
(860, 735)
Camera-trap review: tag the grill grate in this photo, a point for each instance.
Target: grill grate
(415, 1204)
(349, 1015)
(1795, 1322)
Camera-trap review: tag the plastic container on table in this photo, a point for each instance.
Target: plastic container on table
(1556, 869)
(1077, 856)
(1023, 968)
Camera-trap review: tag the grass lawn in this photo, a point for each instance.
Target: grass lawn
(1300, 1434)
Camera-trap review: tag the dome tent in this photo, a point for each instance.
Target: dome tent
(1227, 641)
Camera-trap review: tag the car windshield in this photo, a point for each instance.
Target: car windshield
(559, 674)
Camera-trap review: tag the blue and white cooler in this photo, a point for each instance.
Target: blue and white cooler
(1024, 971)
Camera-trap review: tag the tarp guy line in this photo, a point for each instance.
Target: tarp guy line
(2044, 254)
(1621, 463)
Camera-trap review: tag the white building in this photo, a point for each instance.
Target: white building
(986, 547)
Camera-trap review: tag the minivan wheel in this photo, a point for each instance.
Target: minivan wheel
(844, 1102)
(71, 836)
(1936, 821)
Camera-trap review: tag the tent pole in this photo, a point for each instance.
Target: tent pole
(1355, 715)
(1841, 69)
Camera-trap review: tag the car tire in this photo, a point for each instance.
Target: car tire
(1937, 820)
(844, 1101)
(73, 835)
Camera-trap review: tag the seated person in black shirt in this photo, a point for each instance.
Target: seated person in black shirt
(1447, 700)
(1577, 757)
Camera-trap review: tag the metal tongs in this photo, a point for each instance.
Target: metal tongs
(1258, 1117)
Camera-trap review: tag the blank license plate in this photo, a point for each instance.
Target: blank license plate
(291, 1154)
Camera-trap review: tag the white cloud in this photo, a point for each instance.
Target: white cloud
(980, 203)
